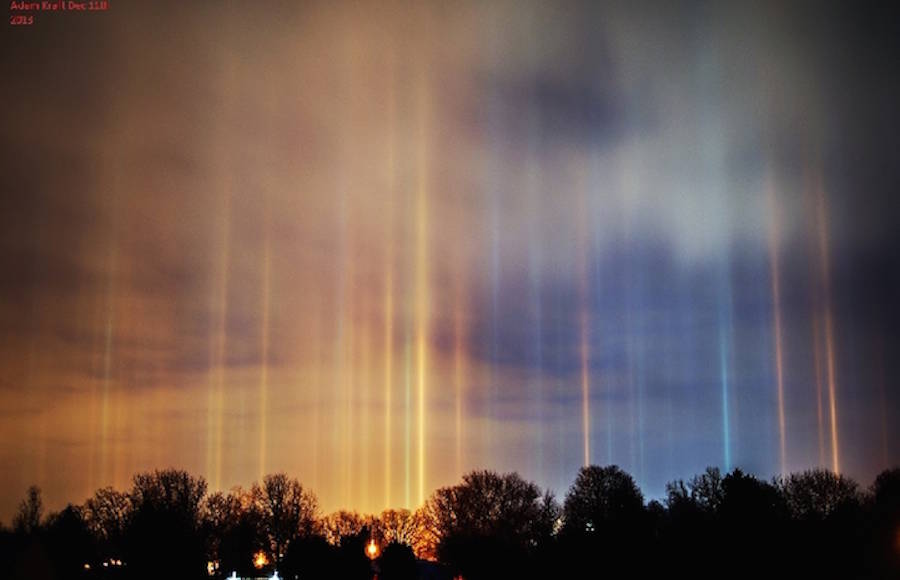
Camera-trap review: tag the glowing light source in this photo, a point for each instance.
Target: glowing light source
(260, 560)
(372, 549)
(822, 219)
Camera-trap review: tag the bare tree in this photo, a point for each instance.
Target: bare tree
(343, 524)
(287, 511)
(28, 518)
(106, 516)
(400, 526)
(817, 493)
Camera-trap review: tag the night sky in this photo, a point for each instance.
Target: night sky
(379, 244)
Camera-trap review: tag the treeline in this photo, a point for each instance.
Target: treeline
(489, 525)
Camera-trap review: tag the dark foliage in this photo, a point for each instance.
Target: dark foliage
(491, 525)
(810, 524)
(397, 562)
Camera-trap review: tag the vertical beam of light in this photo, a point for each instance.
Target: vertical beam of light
(493, 194)
(725, 334)
(389, 281)
(775, 276)
(350, 378)
(218, 343)
(409, 321)
(817, 361)
(388, 378)
(535, 254)
(421, 300)
(822, 219)
(641, 381)
(628, 348)
(584, 351)
(815, 308)
(636, 367)
(346, 252)
(407, 415)
(341, 362)
(459, 342)
(264, 344)
(589, 242)
(109, 332)
(221, 242)
(365, 400)
(584, 332)
(535, 259)
(634, 312)
(317, 374)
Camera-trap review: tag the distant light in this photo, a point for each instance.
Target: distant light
(260, 560)
(87, 566)
(275, 576)
(233, 576)
(372, 549)
(589, 527)
(212, 567)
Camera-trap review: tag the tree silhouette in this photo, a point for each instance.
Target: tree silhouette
(399, 526)
(818, 493)
(107, 515)
(343, 524)
(233, 530)
(603, 517)
(490, 523)
(68, 542)
(28, 519)
(882, 544)
(814, 523)
(601, 498)
(287, 510)
(397, 562)
(164, 535)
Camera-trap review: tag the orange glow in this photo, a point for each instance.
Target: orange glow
(372, 550)
(822, 220)
(260, 560)
(421, 283)
(817, 348)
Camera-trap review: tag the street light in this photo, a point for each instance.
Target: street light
(372, 549)
(260, 560)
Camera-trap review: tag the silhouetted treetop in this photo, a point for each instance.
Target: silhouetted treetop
(287, 510)
(817, 493)
(488, 503)
(601, 496)
(28, 519)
